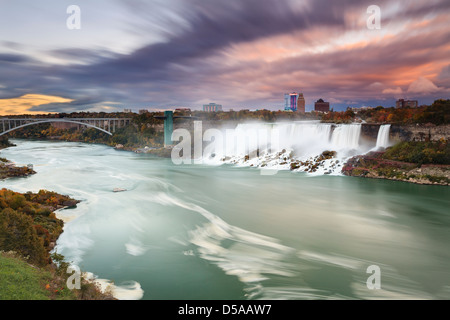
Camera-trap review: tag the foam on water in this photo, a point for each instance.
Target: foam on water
(130, 290)
(258, 261)
(249, 256)
(135, 247)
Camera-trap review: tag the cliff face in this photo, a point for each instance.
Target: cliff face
(369, 131)
(412, 132)
(420, 132)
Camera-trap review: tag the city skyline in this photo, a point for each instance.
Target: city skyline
(239, 54)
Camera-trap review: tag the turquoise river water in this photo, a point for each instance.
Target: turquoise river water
(227, 232)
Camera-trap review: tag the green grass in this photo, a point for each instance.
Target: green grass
(21, 281)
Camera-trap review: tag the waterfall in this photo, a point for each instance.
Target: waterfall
(346, 136)
(279, 145)
(383, 136)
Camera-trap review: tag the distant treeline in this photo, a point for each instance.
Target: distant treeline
(438, 113)
(146, 129)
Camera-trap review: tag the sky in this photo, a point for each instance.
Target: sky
(243, 54)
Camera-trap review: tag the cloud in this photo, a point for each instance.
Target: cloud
(393, 91)
(239, 54)
(25, 103)
(445, 73)
(423, 86)
(13, 58)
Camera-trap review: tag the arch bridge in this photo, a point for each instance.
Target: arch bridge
(106, 125)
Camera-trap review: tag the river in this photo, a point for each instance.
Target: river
(230, 232)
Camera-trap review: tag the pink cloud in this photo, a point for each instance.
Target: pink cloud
(423, 86)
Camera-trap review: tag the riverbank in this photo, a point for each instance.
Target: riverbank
(29, 229)
(21, 280)
(10, 170)
(156, 151)
(373, 165)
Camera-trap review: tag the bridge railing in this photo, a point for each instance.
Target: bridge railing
(107, 125)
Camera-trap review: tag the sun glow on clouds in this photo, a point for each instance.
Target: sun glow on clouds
(23, 104)
(254, 50)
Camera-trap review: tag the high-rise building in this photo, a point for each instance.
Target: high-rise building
(294, 102)
(287, 104)
(322, 106)
(301, 103)
(212, 107)
(293, 99)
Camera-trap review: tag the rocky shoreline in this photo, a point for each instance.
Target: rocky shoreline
(10, 170)
(372, 165)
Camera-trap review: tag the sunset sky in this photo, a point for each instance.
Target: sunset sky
(161, 54)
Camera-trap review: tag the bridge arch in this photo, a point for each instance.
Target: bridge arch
(55, 120)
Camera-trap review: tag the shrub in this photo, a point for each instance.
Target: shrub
(17, 233)
(430, 152)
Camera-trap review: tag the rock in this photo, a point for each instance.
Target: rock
(70, 203)
(295, 165)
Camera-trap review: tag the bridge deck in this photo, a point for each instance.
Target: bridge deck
(106, 125)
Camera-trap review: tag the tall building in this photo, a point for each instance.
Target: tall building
(294, 102)
(212, 107)
(293, 99)
(401, 103)
(322, 106)
(287, 104)
(301, 103)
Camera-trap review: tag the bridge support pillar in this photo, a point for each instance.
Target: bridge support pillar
(168, 128)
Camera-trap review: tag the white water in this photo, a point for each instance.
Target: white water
(383, 136)
(277, 145)
(346, 137)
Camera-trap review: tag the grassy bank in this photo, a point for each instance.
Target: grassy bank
(29, 229)
(22, 281)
